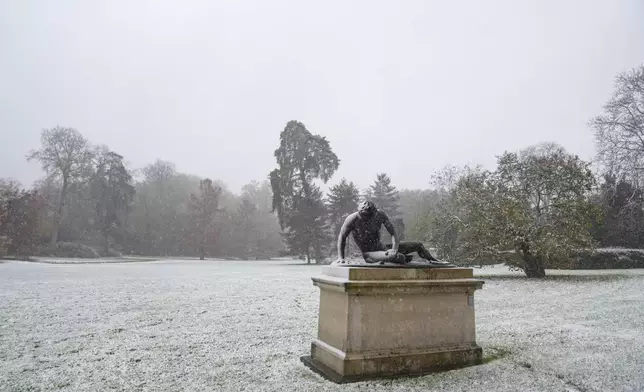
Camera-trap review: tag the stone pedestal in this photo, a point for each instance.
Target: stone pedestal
(387, 322)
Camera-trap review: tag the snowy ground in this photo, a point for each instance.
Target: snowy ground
(242, 326)
(100, 260)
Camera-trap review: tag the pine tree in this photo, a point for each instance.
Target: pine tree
(385, 195)
(387, 199)
(341, 201)
(113, 191)
(307, 231)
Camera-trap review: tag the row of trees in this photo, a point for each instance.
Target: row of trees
(91, 197)
(311, 222)
(542, 206)
(535, 209)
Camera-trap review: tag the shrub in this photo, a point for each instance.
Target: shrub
(70, 250)
(607, 258)
(111, 252)
(4, 244)
(114, 253)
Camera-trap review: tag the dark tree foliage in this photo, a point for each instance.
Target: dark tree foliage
(21, 212)
(113, 191)
(302, 158)
(533, 211)
(204, 208)
(341, 201)
(623, 210)
(387, 199)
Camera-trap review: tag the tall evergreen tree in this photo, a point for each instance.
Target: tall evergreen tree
(385, 195)
(113, 192)
(341, 201)
(387, 199)
(302, 158)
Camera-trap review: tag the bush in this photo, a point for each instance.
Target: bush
(114, 253)
(610, 258)
(110, 253)
(606, 258)
(70, 250)
(4, 244)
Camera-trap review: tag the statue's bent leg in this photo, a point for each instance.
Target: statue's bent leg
(411, 247)
(380, 256)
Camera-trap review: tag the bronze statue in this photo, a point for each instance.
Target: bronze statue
(365, 225)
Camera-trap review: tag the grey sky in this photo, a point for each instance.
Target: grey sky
(209, 84)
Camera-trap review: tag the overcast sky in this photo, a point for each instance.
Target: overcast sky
(402, 87)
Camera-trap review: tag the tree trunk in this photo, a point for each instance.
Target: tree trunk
(533, 267)
(106, 244)
(58, 216)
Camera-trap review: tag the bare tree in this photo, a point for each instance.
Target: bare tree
(619, 131)
(65, 155)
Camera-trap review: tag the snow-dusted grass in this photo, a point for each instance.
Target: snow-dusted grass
(233, 326)
(99, 260)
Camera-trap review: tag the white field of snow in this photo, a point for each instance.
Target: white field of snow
(242, 326)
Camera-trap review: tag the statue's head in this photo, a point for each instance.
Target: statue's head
(366, 209)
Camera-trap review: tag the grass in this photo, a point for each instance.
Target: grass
(242, 326)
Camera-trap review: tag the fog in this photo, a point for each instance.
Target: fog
(396, 87)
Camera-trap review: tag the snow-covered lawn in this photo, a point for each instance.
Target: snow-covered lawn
(100, 260)
(233, 326)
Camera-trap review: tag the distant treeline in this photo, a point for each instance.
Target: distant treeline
(537, 208)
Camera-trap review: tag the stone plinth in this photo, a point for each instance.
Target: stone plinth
(386, 322)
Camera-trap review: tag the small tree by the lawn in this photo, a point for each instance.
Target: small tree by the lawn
(204, 208)
(534, 210)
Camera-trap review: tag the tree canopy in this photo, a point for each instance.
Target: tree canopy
(302, 157)
(534, 210)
